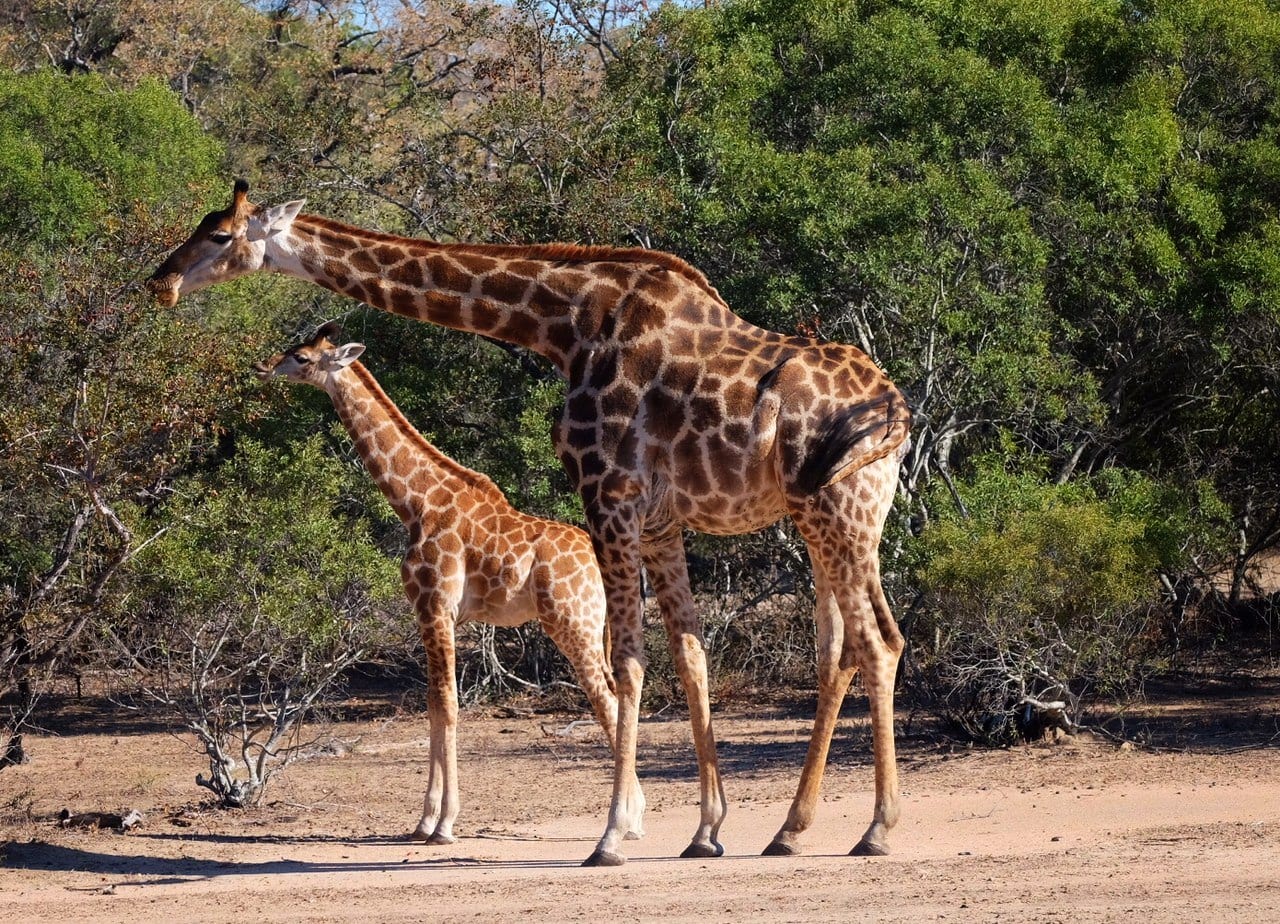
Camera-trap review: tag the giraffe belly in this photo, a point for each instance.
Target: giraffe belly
(497, 606)
(727, 516)
(715, 493)
(741, 521)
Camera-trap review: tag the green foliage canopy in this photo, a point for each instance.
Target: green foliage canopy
(1054, 224)
(78, 157)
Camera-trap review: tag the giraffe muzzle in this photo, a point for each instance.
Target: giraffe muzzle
(165, 289)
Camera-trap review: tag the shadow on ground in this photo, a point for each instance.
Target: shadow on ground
(46, 857)
(154, 870)
(1216, 713)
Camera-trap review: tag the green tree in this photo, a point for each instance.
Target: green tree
(78, 159)
(1053, 224)
(99, 408)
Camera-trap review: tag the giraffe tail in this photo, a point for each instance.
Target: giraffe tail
(609, 679)
(828, 461)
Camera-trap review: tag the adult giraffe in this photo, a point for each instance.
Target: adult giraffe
(677, 413)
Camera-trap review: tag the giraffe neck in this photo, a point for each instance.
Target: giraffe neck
(399, 458)
(548, 298)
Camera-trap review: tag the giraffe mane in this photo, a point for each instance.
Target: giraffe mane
(549, 253)
(602, 253)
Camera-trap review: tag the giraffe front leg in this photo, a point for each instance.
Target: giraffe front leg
(665, 563)
(627, 806)
(580, 640)
(605, 706)
(616, 536)
(691, 665)
(441, 804)
(435, 785)
(433, 801)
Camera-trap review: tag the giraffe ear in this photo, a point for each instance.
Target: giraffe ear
(273, 220)
(240, 197)
(343, 356)
(329, 330)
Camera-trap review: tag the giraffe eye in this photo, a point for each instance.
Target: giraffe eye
(300, 359)
(220, 237)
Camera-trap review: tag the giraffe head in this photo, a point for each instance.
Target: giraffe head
(226, 244)
(312, 361)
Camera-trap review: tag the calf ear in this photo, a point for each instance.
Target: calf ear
(343, 356)
(329, 330)
(273, 220)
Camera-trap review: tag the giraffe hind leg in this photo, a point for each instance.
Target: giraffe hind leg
(577, 627)
(841, 525)
(833, 683)
(879, 656)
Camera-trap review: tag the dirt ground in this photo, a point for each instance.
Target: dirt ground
(1183, 826)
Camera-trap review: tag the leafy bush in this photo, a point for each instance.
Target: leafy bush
(1052, 224)
(97, 408)
(1042, 592)
(263, 593)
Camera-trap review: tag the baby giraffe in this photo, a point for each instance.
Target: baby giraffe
(472, 556)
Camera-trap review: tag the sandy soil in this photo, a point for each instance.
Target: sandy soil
(1183, 827)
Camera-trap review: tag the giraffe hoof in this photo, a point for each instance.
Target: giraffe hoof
(702, 851)
(779, 849)
(437, 840)
(866, 848)
(420, 836)
(604, 858)
(633, 835)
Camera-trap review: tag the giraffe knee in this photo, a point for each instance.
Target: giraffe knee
(685, 647)
(628, 671)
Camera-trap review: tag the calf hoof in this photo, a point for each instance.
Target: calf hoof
(780, 849)
(604, 858)
(702, 851)
(866, 848)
